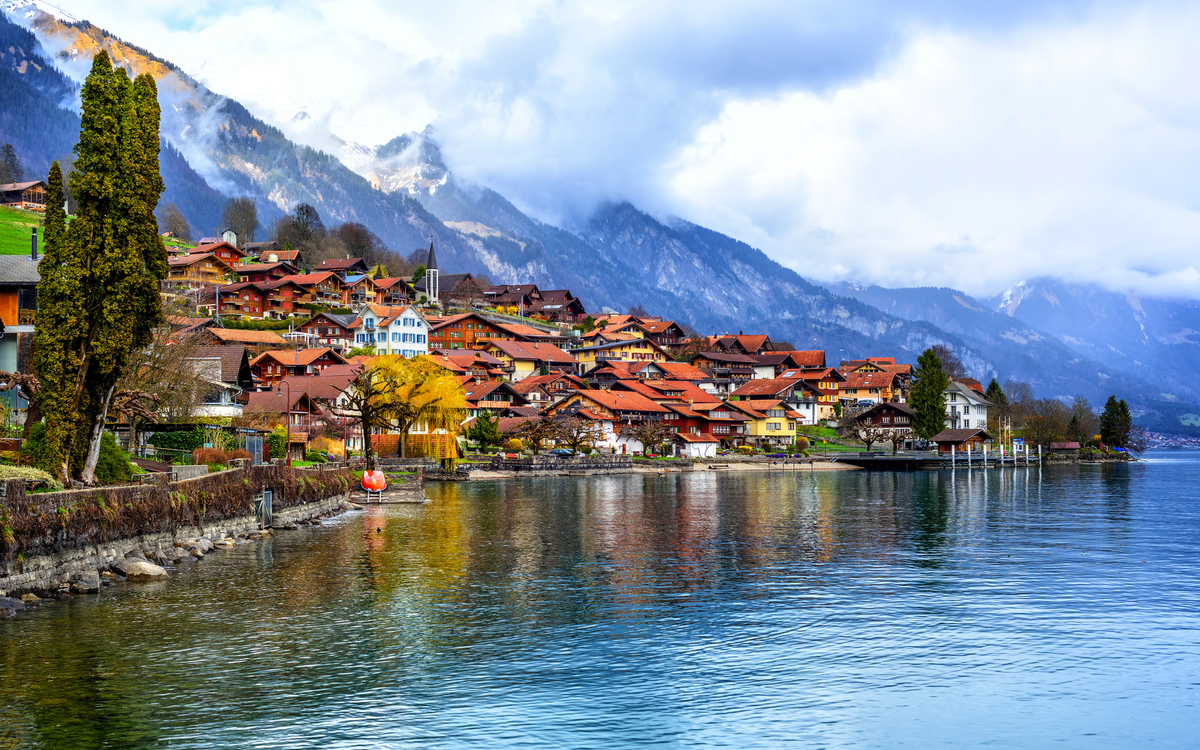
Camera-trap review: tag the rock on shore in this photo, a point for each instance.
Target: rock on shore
(142, 570)
(9, 607)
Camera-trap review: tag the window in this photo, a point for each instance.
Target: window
(966, 423)
(953, 396)
(886, 420)
(967, 409)
(773, 426)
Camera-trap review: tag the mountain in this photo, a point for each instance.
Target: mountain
(215, 148)
(1154, 337)
(1071, 349)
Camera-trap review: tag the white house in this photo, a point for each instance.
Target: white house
(399, 330)
(966, 408)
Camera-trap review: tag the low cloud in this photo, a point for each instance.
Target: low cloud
(888, 142)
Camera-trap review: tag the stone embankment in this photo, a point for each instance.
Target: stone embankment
(62, 542)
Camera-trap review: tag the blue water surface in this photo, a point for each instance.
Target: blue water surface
(1015, 608)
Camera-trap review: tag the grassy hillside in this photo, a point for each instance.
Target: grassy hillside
(14, 231)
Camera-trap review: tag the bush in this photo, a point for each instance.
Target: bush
(745, 449)
(585, 450)
(214, 467)
(514, 445)
(113, 466)
(239, 453)
(209, 456)
(28, 472)
(802, 443)
(316, 457)
(277, 443)
(188, 440)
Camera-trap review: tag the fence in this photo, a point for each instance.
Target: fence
(41, 524)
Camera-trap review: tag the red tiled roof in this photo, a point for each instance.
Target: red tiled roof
(765, 387)
(296, 357)
(870, 379)
(534, 352)
(622, 401)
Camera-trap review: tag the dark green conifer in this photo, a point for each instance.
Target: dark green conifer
(928, 395)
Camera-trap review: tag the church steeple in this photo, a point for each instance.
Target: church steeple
(431, 275)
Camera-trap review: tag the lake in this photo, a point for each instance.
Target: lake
(1015, 608)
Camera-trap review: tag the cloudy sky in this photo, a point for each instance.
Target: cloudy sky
(900, 143)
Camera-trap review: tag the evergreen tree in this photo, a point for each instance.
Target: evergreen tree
(1116, 423)
(995, 394)
(10, 166)
(928, 395)
(101, 279)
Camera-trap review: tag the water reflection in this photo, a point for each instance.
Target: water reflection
(849, 609)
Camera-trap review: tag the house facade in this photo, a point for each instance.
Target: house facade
(392, 330)
(966, 408)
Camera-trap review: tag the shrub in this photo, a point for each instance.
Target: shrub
(188, 440)
(585, 450)
(802, 443)
(514, 445)
(113, 466)
(277, 442)
(28, 472)
(240, 453)
(745, 449)
(215, 467)
(209, 456)
(316, 457)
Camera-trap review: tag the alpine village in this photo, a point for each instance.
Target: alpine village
(129, 350)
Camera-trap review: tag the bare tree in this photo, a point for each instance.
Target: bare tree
(1085, 422)
(171, 376)
(241, 215)
(171, 219)
(536, 430)
(951, 364)
(576, 432)
(1019, 394)
(651, 434)
(637, 311)
(1046, 420)
(869, 435)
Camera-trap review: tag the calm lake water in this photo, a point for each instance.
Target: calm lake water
(1019, 608)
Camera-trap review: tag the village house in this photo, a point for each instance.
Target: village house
(225, 372)
(284, 298)
(244, 298)
(868, 387)
(197, 270)
(329, 329)
(723, 422)
(557, 306)
(826, 383)
(226, 251)
(491, 396)
(266, 271)
(772, 423)
(343, 267)
(465, 331)
(614, 411)
(520, 296)
(730, 371)
(665, 333)
(209, 334)
(270, 367)
(393, 291)
(392, 330)
(18, 311)
(965, 407)
(358, 290)
(271, 408)
(962, 439)
(25, 196)
(523, 359)
(636, 350)
(799, 395)
(323, 288)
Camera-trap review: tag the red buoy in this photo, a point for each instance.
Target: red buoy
(374, 481)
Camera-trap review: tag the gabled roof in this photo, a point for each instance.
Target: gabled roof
(971, 383)
(233, 359)
(815, 375)
(266, 267)
(960, 435)
(239, 336)
(976, 396)
(741, 359)
(12, 187)
(889, 406)
(619, 344)
(682, 371)
(213, 247)
(436, 323)
(552, 378)
(622, 401)
(870, 379)
(345, 321)
(766, 387)
(18, 270)
(309, 279)
(297, 357)
(388, 283)
(532, 351)
(480, 391)
(341, 264)
(180, 261)
(689, 438)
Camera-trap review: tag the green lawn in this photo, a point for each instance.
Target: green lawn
(14, 231)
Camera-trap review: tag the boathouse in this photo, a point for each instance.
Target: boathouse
(960, 439)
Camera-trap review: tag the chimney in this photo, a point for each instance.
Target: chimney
(33, 242)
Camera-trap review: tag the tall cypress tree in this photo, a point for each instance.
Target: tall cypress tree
(104, 283)
(928, 395)
(1108, 422)
(995, 394)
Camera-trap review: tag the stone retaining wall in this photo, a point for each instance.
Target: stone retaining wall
(50, 572)
(575, 466)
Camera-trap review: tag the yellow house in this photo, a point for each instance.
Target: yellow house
(521, 359)
(772, 422)
(634, 350)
